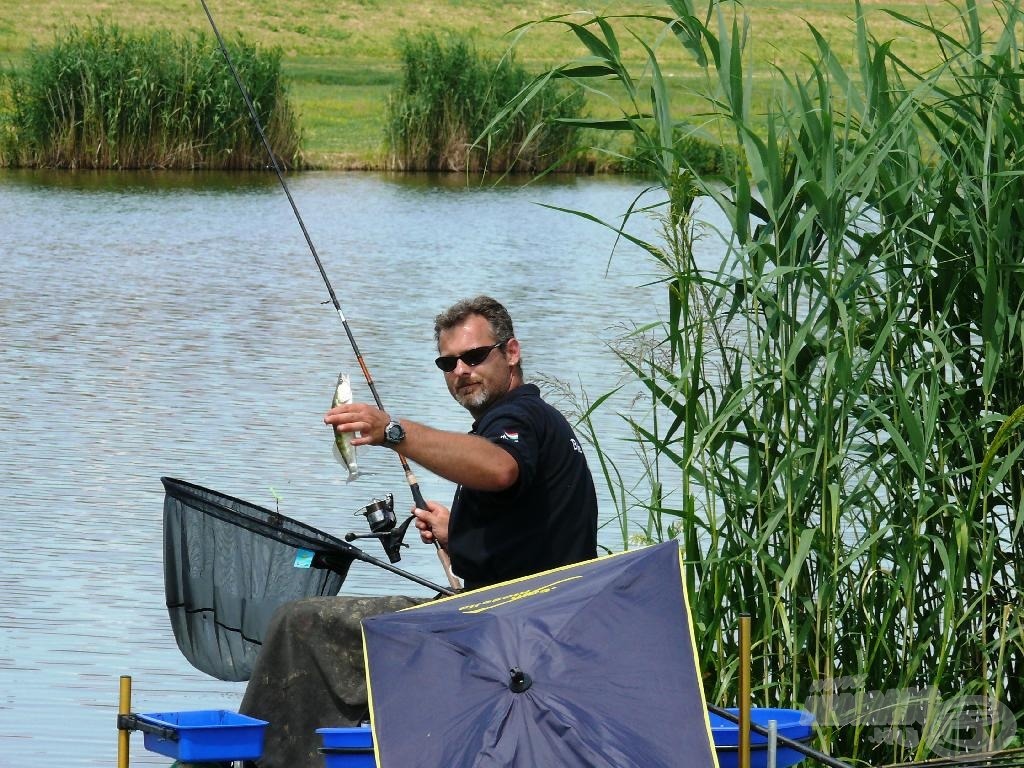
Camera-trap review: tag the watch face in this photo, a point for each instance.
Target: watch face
(394, 432)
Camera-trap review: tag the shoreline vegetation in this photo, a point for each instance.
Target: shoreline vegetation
(100, 98)
(340, 66)
(834, 425)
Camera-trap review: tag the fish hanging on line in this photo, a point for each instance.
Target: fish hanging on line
(344, 451)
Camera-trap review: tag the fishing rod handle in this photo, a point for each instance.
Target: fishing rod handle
(446, 564)
(414, 486)
(421, 503)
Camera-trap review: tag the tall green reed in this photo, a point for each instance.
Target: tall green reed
(99, 97)
(839, 400)
(448, 93)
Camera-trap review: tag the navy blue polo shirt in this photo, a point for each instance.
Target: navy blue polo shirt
(547, 519)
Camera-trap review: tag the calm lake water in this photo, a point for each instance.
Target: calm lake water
(166, 324)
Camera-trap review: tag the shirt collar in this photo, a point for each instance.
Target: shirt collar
(523, 390)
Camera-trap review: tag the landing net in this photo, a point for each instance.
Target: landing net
(229, 565)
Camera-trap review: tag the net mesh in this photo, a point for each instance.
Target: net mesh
(229, 565)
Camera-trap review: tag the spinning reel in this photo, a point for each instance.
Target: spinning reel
(380, 516)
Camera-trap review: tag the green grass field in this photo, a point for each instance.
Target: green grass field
(340, 57)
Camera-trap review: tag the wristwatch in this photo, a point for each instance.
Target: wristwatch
(394, 433)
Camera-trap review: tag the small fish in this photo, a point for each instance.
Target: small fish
(344, 451)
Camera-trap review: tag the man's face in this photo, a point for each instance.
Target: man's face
(477, 387)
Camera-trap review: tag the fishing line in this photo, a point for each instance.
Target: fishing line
(410, 478)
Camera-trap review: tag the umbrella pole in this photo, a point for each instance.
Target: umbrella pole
(124, 709)
(744, 692)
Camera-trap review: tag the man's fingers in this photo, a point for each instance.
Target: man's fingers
(423, 523)
(359, 430)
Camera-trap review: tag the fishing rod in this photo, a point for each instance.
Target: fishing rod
(410, 478)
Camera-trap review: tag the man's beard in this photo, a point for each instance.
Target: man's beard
(477, 400)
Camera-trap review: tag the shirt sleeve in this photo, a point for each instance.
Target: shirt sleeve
(516, 432)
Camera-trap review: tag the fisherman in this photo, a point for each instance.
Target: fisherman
(525, 503)
(525, 500)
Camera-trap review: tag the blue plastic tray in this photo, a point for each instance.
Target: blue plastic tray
(794, 724)
(206, 735)
(347, 747)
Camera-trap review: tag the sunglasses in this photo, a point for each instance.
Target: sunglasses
(471, 357)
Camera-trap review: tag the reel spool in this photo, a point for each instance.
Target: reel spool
(380, 517)
(380, 514)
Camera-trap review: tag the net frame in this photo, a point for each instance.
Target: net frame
(229, 565)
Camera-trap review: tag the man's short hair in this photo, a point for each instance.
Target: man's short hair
(490, 309)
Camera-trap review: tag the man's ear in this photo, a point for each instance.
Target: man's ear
(512, 351)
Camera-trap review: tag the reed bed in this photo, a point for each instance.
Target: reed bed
(100, 97)
(835, 423)
(449, 92)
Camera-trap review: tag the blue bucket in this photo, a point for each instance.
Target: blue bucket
(347, 747)
(794, 724)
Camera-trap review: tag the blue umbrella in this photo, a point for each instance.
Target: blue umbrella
(589, 665)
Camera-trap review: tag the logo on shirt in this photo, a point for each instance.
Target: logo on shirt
(512, 437)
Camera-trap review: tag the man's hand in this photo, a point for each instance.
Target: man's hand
(432, 523)
(368, 420)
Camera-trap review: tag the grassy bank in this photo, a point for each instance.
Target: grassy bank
(340, 59)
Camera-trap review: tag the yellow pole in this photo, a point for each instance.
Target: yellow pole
(124, 707)
(744, 693)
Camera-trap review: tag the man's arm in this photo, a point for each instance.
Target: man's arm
(468, 460)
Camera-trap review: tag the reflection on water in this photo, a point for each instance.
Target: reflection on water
(174, 324)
